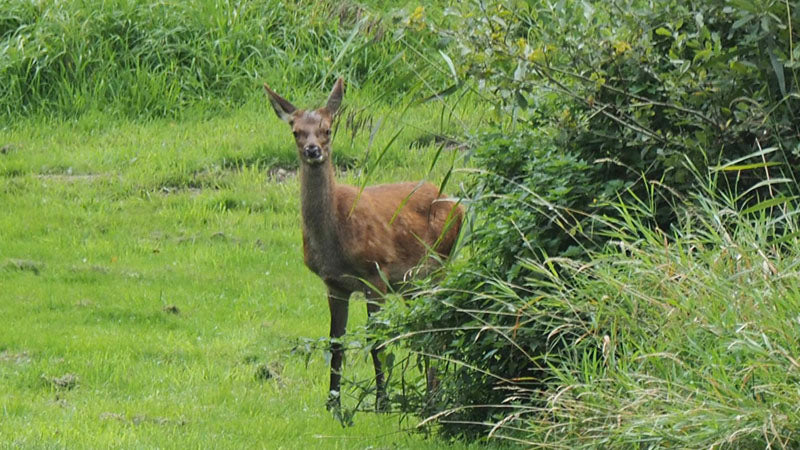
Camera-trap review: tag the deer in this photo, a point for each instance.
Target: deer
(370, 240)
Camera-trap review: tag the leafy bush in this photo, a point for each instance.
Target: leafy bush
(680, 339)
(633, 88)
(609, 114)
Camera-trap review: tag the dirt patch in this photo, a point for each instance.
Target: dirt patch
(90, 269)
(24, 265)
(171, 309)
(84, 303)
(8, 148)
(140, 419)
(220, 236)
(61, 402)
(193, 191)
(14, 358)
(280, 175)
(66, 382)
(69, 177)
(269, 371)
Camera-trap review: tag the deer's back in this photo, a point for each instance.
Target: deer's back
(394, 226)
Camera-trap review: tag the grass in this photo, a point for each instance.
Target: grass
(153, 291)
(685, 339)
(130, 58)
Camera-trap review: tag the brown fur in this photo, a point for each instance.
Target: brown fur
(357, 241)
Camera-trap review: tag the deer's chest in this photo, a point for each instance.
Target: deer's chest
(323, 257)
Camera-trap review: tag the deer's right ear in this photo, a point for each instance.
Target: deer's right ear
(283, 108)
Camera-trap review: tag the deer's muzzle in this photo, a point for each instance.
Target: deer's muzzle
(312, 153)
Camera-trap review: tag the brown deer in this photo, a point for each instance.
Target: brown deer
(367, 241)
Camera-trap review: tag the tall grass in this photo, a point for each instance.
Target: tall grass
(145, 59)
(689, 340)
(686, 338)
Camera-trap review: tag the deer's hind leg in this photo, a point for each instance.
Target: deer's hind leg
(374, 296)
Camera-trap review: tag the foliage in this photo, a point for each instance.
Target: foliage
(152, 59)
(604, 108)
(680, 339)
(683, 340)
(633, 88)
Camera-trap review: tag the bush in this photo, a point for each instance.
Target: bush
(684, 339)
(633, 91)
(610, 112)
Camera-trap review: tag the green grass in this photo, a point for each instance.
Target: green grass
(688, 340)
(679, 339)
(160, 264)
(131, 58)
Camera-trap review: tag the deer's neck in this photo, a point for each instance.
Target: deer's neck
(317, 186)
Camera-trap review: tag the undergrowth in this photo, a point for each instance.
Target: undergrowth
(687, 338)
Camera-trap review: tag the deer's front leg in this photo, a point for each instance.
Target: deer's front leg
(338, 302)
(374, 300)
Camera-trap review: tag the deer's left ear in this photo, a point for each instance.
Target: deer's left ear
(335, 99)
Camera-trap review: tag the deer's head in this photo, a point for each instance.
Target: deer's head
(312, 127)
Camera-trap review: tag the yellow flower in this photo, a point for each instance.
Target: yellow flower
(621, 47)
(417, 18)
(536, 56)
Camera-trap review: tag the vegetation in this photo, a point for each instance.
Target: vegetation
(635, 146)
(152, 290)
(151, 59)
(628, 276)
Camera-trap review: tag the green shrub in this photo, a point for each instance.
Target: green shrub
(608, 114)
(681, 339)
(628, 89)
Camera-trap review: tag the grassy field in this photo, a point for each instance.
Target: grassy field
(152, 290)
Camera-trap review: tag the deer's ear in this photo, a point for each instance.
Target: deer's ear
(335, 99)
(283, 108)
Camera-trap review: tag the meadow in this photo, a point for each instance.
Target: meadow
(628, 277)
(153, 289)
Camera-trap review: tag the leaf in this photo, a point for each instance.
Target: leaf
(450, 65)
(740, 167)
(786, 238)
(768, 204)
(661, 31)
(759, 153)
(764, 183)
(777, 66)
(702, 55)
(743, 21)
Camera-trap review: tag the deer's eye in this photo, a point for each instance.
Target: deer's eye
(295, 133)
(327, 131)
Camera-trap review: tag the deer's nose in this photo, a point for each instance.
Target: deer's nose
(312, 152)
